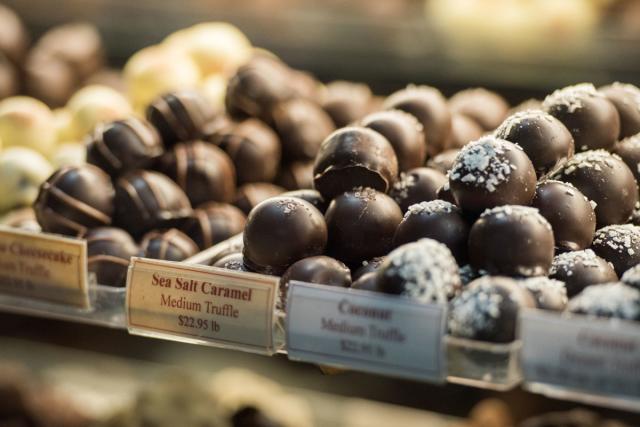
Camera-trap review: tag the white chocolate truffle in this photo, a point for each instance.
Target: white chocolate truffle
(214, 89)
(27, 122)
(22, 170)
(69, 154)
(96, 104)
(64, 125)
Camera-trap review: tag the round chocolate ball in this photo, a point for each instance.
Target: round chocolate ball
(579, 269)
(463, 130)
(320, 269)
(405, 134)
(629, 151)
(610, 300)
(368, 266)
(484, 106)
(354, 157)
(311, 196)
(346, 102)
(361, 225)
(281, 231)
(233, 261)
(109, 251)
(546, 141)
(569, 212)
(49, 78)
(367, 282)
(147, 200)
(75, 199)
(443, 162)
(550, 294)
(626, 98)
(213, 223)
(14, 39)
(619, 244)
(169, 245)
(9, 80)
(631, 277)
(124, 145)
(444, 193)
(416, 186)
(487, 309)
(512, 241)
(296, 175)
(424, 271)
(437, 220)
(491, 172)
(605, 179)
(430, 108)
(592, 120)
(250, 195)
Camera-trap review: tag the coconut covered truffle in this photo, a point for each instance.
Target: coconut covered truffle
(612, 300)
(618, 244)
(579, 269)
(549, 294)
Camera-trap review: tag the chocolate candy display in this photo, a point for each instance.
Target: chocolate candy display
(250, 195)
(487, 108)
(463, 131)
(626, 98)
(579, 269)
(234, 261)
(311, 196)
(321, 269)
(109, 250)
(213, 223)
(619, 245)
(354, 157)
(512, 241)
(629, 151)
(75, 199)
(281, 231)
(417, 185)
(169, 245)
(549, 294)
(614, 300)
(346, 102)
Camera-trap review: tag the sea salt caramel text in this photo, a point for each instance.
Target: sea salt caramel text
(201, 286)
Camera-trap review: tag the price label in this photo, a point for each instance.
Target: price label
(43, 266)
(366, 331)
(201, 304)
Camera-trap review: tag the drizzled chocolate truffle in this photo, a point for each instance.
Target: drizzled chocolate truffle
(463, 131)
(611, 300)
(361, 225)
(213, 223)
(368, 266)
(296, 175)
(629, 151)
(405, 134)
(579, 269)
(234, 261)
(618, 244)
(417, 185)
(74, 199)
(281, 231)
(569, 212)
(169, 245)
(424, 271)
(631, 277)
(346, 102)
(311, 196)
(123, 145)
(512, 241)
(492, 172)
(437, 220)
(109, 250)
(443, 162)
(543, 138)
(484, 106)
(604, 179)
(626, 98)
(592, 120)
(249, 195)
(320, 269)
(354, 157)
(549, 294)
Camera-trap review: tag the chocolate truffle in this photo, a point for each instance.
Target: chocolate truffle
(550, 294)
(311, 196)
(417, 185)
(123, 145)
(296, 175)
(484, 106)
(626, 98)
(27, 122)
(611, 300)
(213, 223)
(234, 261)
(368, 266)
(74, 199)
(49, 78)
(96, 104)
(169, 245)
(569, 212)
(253, 147)
(109, 251)
(354, 157)
(631, 277)
(367, 282)
(487, 309)
(424, 271)
(491, 172)
(629, 151)
(14, 40)
(346, 102)
(180, 116)
(444, 193)
(592, 120)
(430, 108)
(463, 131)
(146, 200)
(22, 172)
(249, 195)
(437, 220)
(543, 138)
(443, 162)
(302, 126)
(604, 179)
(361, 225)
(281, 231)
(512, 241)
(618, 244)
(203, 171)
(405, 134)
(9, 81)
(320, 269)
(579, 269)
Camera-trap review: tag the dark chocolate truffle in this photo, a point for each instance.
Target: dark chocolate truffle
(320, 269)
(169, 245)
(123, 145)
(579, 269)
(484, 106)
(368, 266)
(487, 309)
(346, 102)
(180, 116)
(354, 157)
(463, 131)
(430, 108)
(444, 193)
(543, 138)
(443, 162)
(631, 277)
(49, 78)
(405, 134)
(281, 231)
(311, 196)
(605, 179)
(361, 225)
(629, 151)
(569, 212)
(626, 98)
(74, 199)
(146, 200)
(618, 244)
(367, 282)
(296, 175)
(592, 120)
(233, 261)
(424, 271)
(512, 241)
(416, 186)
(213, 223)
(491, 172)
(437, 220)
(611, 300)
(550, 294)
(109, 250)
(249, 195)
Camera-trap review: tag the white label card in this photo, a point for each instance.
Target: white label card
(365, 331)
